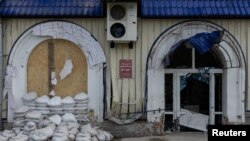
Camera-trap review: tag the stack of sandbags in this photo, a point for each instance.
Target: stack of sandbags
(55, 106)
(34, 116)
(19, 116)
(81, 107)
(29, 127)
(68, 104)
(29, 99)
(42, 105)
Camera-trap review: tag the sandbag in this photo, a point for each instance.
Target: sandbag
(29, 96)
(43, 100)
(68, 100)
(81, 96)
(55, 101)
(56, 119)
(68, 117)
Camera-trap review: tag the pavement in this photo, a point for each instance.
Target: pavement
(183, 136)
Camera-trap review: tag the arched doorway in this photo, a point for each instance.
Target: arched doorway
(224, 65)
(17, 82)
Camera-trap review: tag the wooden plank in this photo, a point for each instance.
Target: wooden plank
(37, 70)
(77, 80)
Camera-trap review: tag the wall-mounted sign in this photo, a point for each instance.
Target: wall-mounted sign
(125, 66)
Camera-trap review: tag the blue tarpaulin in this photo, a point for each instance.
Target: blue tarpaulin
(202, 42)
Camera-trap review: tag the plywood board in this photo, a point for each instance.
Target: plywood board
(38, 70)
(38, 67)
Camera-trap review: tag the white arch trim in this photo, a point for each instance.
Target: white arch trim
(16, 80)
(233, 73)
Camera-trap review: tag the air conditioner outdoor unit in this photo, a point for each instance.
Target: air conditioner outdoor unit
(122, 21)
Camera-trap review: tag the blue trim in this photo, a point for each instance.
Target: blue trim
(195, 8)
(51, 8)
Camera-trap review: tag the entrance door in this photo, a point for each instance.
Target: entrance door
(193, 98)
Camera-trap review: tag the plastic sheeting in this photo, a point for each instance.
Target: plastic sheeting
(202, 42)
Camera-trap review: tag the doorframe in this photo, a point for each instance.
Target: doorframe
(176, 112)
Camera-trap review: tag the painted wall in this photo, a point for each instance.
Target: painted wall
(127, 94)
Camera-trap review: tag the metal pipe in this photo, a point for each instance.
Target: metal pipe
(1, 74)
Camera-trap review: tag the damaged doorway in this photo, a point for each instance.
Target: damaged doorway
(193, 89)
(46, 64)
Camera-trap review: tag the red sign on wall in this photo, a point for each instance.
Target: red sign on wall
(125, 68)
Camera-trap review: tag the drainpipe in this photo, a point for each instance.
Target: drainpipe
(1, 74)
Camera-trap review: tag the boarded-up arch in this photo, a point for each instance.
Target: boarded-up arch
(51, 55)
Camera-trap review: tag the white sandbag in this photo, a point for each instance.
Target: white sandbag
(43, 100)
(72, 125)
(68, 100)
(19, 137)
(83, 137)
(30, 96)
(45, 123)
(30, 103)
(81, 96)
(68, 117)
(60, 137)
(22, 110)
(72, 137)
(62, 129)
(42, 108)
(30, 126)
(94, 138)
(87, 128)
(55, 108)
(56, 119)
(73, 131)
(82, 105)
(108, 136)
(69, 108)
(34, 115)
(55, 101)
(56, 112)
(100, 135)
(37, 136)
(3, 138)
(47, 131)
(8, 133)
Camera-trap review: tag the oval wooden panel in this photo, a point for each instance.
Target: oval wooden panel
(40, 65)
